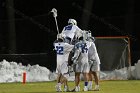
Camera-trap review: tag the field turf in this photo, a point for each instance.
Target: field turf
(125, 86)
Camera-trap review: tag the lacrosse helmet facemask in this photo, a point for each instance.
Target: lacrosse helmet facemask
(72, 21)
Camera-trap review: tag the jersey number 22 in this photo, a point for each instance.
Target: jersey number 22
(59, 50)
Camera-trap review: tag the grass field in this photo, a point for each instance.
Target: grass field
(128, 86)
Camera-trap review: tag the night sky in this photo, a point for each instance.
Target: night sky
(35, 26)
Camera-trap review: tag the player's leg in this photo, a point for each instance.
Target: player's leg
(86, 75)
(58, 85)
(64, 81)
(95, 72)
(77, 78)
(90, 80)
(96, 78)
(65, 75)
(77, 70)
(94, 69)
(77, 81)
(58, 71)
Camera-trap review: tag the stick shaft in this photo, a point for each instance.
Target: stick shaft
(56, 25)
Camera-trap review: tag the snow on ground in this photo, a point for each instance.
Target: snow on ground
(13, 72)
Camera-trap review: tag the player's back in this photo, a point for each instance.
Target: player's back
(63, 50)
(59, 48)
(71, 31)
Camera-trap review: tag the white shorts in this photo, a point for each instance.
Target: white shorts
(81, 67)
(95, 66)
(62, 68)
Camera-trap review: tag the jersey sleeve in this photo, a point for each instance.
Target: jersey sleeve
(76, 54)
(68, 47)
(78, 32)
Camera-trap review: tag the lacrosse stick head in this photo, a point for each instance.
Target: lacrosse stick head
(54, 11)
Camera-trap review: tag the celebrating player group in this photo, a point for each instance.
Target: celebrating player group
(75, 48)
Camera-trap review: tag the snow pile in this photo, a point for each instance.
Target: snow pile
(10, 72)
(121, 74)
(132, 72)
(135, 71)
(13, 72)
(38, 73)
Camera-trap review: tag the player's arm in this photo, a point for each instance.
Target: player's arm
(63, 33)
(76, 56)
(78, 32)
(68, 47)
(55, 47)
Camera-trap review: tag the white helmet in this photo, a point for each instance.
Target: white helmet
(72, 21)
(85, 34)
(89, 34)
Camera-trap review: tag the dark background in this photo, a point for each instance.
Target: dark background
(28, 27)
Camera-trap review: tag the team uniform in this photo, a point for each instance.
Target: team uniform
(71, 31)
(81, 65)
(93, 57)
(94, 63)
(62, 50)
(81, 54)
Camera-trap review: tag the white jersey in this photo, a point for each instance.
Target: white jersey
(71, 31)
(83, 48)
(62, 50)
(81, 55)
(93, 54)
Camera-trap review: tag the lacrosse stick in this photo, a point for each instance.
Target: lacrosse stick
(54, 11)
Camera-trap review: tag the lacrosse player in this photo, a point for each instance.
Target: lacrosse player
(80, 63)
(71, 31)
(94, 63)
(62, 50)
